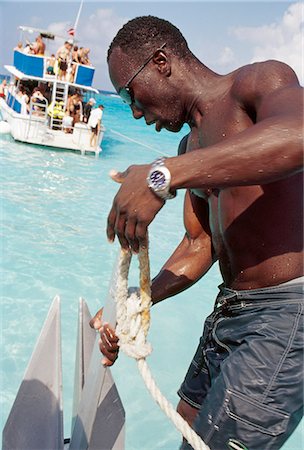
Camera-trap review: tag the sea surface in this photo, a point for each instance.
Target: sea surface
(54, 206)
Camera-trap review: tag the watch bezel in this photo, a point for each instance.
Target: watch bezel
(164, 190)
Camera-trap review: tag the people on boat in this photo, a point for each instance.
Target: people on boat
(78, 108)
(38, 47)
(27, 48)
(67, 123)
(240, 169)
(83, 56)
(63, 56)
(74, 62)
(3, 88)
(24, 99)
(75, 108)
(75, 55)
(39, 102)
(87, 109)
(19, 47)
(50, 62)
(94, 123)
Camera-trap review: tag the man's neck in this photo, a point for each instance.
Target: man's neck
(201, 88)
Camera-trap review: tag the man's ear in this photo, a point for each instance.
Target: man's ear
(163, 62)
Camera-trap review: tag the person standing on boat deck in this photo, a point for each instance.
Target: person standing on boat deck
(67, 123)
(4, 88)
(83, 56)
(38, 47)
(95, 123)
(51, 60)
(64, 58)
(241, 166)
(19, 47)
(87, 109)
(78, 109)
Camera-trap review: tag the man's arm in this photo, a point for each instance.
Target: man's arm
(268, 151)
(192, 258)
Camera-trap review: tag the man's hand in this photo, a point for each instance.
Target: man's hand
(108, 342)
(133, 209)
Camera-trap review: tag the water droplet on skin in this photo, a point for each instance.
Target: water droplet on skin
(261, 171)
(224, 134)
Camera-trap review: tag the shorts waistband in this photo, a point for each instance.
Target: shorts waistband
(290, 290)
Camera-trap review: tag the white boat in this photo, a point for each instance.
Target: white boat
(43, 125)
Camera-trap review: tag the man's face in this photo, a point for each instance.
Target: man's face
(152, 95)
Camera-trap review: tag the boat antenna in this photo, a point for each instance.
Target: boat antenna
(77, 18)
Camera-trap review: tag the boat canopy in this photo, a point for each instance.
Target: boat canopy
(44, 33)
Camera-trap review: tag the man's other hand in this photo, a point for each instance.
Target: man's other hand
(108, 342)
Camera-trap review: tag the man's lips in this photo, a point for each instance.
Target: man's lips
(158, 125)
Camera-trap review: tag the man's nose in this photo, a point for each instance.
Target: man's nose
(137, 113)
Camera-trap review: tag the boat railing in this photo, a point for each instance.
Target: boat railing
(37, 110)
(37, 66)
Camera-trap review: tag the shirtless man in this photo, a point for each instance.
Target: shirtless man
(38, 48)
(64, 58)
(241, 166)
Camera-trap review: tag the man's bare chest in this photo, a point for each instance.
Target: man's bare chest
(224, 120)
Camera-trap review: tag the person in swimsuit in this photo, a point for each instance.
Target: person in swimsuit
(63, 56)
(241, 167)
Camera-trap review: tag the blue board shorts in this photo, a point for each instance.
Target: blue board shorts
(246, 378)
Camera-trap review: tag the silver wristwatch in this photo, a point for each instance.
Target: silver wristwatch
(159, 178)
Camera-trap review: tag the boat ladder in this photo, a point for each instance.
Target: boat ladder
(59, 96)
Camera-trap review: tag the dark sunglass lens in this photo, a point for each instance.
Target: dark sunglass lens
(126, 95)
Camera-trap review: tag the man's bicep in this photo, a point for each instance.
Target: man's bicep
(196, 217)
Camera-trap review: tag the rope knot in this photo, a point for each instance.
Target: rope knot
(132, 339)
(133, 318)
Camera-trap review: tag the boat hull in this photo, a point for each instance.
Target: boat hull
(35, 130)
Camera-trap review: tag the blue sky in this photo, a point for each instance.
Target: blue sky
(223, 35)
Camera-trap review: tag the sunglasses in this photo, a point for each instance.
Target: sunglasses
(126, 92)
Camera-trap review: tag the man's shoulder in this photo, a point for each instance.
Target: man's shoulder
(262, 78)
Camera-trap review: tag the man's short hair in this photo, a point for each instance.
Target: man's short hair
(142, 35)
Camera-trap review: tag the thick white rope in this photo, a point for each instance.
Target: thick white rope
(133, 322)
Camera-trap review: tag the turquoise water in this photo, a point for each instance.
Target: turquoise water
(53, 215)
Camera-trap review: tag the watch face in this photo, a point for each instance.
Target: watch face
(158, 179)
